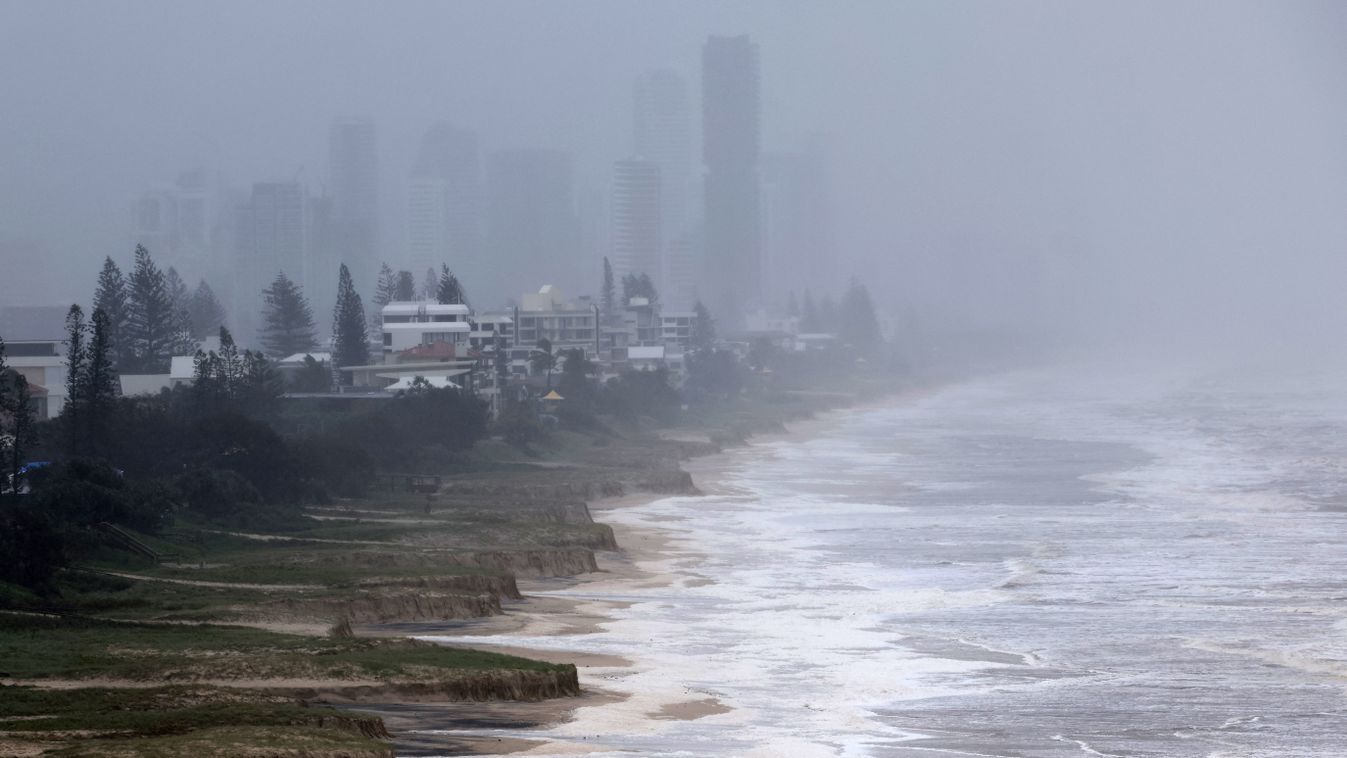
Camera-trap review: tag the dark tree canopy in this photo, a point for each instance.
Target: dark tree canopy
(576, 370)
(857, 322)
(91, 383)
(348, 327)
(21, 434)
(182, 302)
(313, 376)
(99, 386)
(230, 381)
(18, 427)
(542, 360)
(639, 285)
(153, 327)
(72, 415)
(207, 314)
(406, 287)
(608, 294)
(430, 285)
(450, 290)
(385, 291)
(111, 298)
(288, 327)
(4, 371)
(703, 335)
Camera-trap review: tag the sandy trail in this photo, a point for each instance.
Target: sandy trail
(218, 585)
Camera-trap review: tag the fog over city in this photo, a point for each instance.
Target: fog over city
(1063, 171)
(666, 378)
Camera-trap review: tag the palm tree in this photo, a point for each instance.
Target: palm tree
(542, 360)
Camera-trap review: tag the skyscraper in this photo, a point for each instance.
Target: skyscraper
(532, 230)
(662, 135)
(730, 152)
(444, 213)
(427, 223)
(272, 233)
(637, 242)
(353, 186)
(182, 223)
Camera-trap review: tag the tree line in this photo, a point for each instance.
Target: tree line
(152, 316)
(852, 318)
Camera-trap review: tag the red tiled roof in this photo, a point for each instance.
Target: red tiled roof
(432, 351)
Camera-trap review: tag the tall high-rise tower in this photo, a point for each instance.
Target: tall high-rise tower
(730, 152)
(353, 186)
(662, 135)
(444, 213)
(636, 219)
(272, 234)
(532, 230)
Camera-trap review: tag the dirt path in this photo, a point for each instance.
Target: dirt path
(219, 585)
(287, 538)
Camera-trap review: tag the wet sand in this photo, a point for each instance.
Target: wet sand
(649, 558)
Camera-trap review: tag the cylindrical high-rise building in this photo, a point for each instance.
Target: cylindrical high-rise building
(730, 151)
(637, 243)
(444, 203)
(353, 186)
(662, 135)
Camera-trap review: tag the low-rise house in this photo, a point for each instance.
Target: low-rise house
(408, 325)
(34, 338)
(815, 341)
(639, 358)
(133, 385)
(546, 314)
(763, 322)
(677, 327)
(290, 366)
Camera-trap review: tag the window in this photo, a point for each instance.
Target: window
(388, 339)
(31, 349)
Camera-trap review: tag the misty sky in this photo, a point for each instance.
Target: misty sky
(1141, 167)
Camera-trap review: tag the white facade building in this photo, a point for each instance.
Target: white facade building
(409, 326)
(427, 224)
(637, 244)
(34, 337)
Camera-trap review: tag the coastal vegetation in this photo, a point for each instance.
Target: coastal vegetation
(196, 570)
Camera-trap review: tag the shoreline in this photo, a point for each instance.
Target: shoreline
(647, 559)
(513, 566)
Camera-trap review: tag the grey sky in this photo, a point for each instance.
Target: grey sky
(1142, 165)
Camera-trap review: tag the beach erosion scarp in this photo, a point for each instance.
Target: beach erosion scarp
(621, 693)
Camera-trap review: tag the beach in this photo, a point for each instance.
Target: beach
(1049, 563)
(550, 624)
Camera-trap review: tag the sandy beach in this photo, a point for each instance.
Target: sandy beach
(621, 693)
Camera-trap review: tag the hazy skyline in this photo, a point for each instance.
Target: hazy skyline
(1141, 167)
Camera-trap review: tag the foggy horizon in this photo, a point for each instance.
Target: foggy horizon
(667, 378)
(1155, 174)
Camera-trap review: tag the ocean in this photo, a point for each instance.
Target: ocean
(1039, 564)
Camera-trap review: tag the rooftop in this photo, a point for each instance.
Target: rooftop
(403, 308)
(428, 326)
(645, 353)
(33, 323)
